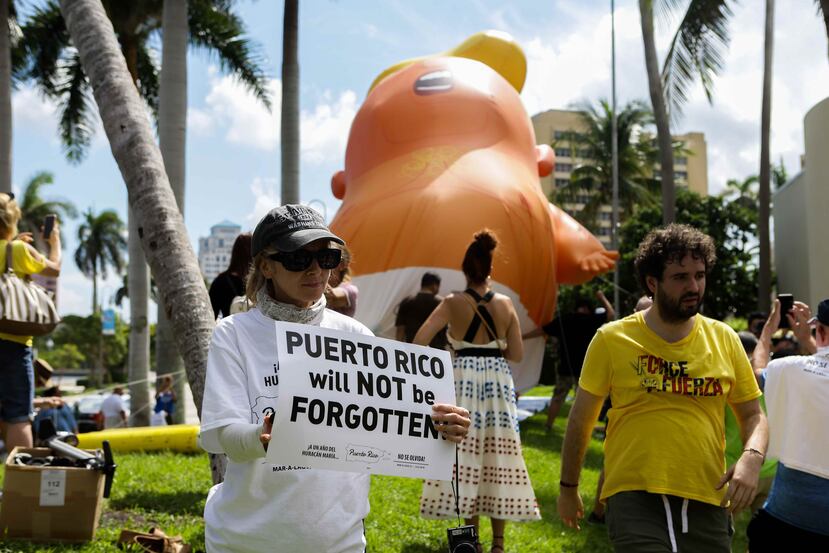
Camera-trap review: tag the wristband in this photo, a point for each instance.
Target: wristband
(564, 484)
(756, 452)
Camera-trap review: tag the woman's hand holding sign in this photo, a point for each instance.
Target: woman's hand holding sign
(267, 428)
(452, 421)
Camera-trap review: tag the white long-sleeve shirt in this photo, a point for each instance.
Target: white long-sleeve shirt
(260, 506)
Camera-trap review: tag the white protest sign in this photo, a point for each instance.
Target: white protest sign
(357, 403)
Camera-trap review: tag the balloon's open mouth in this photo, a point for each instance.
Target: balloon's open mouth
(433, 82)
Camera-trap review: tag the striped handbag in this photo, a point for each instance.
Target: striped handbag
(25, 308)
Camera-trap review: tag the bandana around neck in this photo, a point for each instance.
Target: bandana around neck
(279, 311)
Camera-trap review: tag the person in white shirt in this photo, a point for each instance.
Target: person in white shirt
(113, 409)
(796, 388)
(260, 506)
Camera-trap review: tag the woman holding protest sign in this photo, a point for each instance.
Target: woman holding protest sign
(485, 333)
(260, 506)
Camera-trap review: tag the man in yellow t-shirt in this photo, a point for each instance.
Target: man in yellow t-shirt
(670, 374)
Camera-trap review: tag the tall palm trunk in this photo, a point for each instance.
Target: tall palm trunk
(161, 226)
(5, 100)
(660, 113)
(95, 306)
(138, 284)
(764, 284)
(824, 9)
(172, 124)
(289, 136)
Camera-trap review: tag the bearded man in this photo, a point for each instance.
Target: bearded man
(669, 372)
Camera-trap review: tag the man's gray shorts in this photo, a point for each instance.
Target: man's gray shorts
(642, 522)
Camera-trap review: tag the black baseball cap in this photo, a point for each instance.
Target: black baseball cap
(290, 227)
(822, 313)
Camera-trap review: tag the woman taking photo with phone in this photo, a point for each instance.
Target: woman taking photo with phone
(17, 381)
(259, 506)
(485, 333)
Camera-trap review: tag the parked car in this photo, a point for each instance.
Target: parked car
(88, 412)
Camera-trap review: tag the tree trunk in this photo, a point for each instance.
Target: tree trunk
(172, 125)
(160, 225)
(138, 283)
(824, 9)
(289, 137)
(660, 113)
(5, 100)
(138, 360)
(764, 280)
(95, 306)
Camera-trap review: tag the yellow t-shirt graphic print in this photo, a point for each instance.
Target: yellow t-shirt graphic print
(666, 429)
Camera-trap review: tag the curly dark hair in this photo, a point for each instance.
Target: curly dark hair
(669, 245)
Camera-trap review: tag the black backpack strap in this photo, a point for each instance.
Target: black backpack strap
(482, 313)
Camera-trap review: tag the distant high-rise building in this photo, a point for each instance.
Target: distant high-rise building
(555, 125)
(214, 250)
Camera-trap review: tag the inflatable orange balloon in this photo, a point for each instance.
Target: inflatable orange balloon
(441, 148)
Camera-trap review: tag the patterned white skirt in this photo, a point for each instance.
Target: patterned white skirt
(492, 473)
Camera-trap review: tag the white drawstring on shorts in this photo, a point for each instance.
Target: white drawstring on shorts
(670, 520)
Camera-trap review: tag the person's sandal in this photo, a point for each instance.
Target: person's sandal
(497, 548)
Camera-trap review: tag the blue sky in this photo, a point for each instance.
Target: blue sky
(233, 143)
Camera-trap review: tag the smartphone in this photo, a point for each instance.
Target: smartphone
(786, 304)
(48, 225)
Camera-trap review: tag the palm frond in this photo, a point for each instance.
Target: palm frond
(76, 123)
(40, 50)
(219, 31)
(697, 50)
(148, 79)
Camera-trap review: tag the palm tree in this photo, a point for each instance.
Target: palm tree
(592, 177)
(764, 277)
(289, 135)
(696, 51)
(35, 208)
(101, 247)
(172, 124)
(55, 66)
(164, 236)
(9, 34)
(744, 192)
(823, 8)
(660, 112)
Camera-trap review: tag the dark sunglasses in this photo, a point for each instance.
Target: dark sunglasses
(327, 258)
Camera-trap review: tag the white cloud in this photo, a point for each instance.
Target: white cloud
(32, 112)
(324, 133)
(265, 198)
(245, 121)
(575, 66)
(75, 290)
(199, 122)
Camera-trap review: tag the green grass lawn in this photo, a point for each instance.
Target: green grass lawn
(168, 491)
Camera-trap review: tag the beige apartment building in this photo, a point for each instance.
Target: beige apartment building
(553, 126)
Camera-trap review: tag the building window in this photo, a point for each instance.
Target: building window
(562, 182)
(563, 152)
(221, 243)
(681, 175)
(582, 198)
(681, 160)
(564, 167)
(584, 153)
(604, 216)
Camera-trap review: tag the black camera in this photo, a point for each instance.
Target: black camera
(463, 539)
